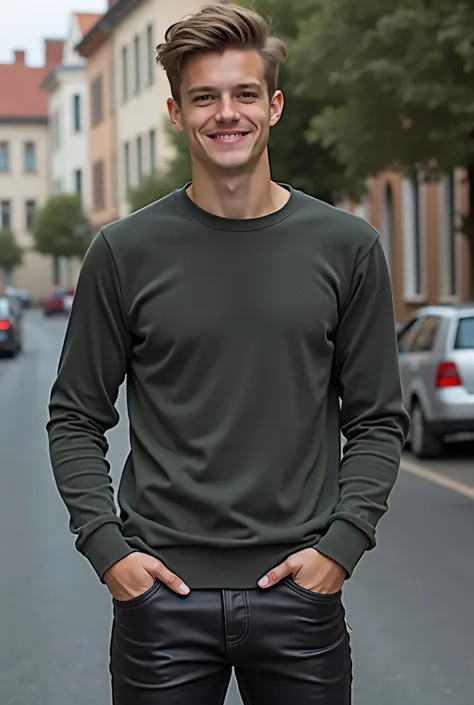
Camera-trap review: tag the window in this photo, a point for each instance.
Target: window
(114, 178)
(76, 108)
(98, 185)
(406, 334)
(5, 307)
(465, 334)
(152, 151)
(413, 269)
(124, 74)
(387, 226)
(97, 98)
(425, 337)
(136, 45)
(150, 55)
(30, 215)
(127, 166)
(78, 182)
(112, 88)
(5, 214)
(4, 157)
(30, 157)
(139, 160)
(448, 237)
(56, 128)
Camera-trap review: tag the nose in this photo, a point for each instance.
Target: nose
(226, 111)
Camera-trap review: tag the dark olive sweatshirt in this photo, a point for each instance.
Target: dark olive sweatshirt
(237, 340)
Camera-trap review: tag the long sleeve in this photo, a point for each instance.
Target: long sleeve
(372, 417)
(92, 367)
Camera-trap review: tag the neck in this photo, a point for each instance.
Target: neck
(237, 196)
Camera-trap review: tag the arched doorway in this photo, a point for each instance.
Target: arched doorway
(388, 227)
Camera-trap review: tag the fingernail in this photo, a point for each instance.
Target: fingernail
(184, 588)
(263, 581)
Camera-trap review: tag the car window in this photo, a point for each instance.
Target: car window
(405, 335)
(465, 334)
(4, 308)
(425, 337)
(59, 294)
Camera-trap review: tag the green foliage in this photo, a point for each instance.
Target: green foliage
(306, 163)
(11, 254)
(152, 188)
(398, 79)
(160, 184)
(61, 228)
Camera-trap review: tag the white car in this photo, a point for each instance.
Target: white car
(68, 303)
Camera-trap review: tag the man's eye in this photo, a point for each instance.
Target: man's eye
(203, 98)
(247, 95)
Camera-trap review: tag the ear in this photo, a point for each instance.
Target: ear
(174, 113)
(276, 107)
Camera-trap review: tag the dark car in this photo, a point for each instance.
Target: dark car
(54, 301)
(11, 333)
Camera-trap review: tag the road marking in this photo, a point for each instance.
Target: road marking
(437, 479)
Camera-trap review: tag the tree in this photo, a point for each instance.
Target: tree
(11, 254)
(61, 228)
(306, 163)
(160, 184)
(398, 79)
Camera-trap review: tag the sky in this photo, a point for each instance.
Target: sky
(27, 22)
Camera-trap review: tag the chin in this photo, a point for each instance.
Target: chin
(235, 164)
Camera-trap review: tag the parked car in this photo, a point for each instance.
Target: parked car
(54, 301)
(21, 294)
(436, 353)
(68, 303)
(11, 331)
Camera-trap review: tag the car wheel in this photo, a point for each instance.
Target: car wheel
(424, 443)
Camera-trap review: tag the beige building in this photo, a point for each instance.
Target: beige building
(97, 48)
(419, 227)
(24, 149)
(130, 99)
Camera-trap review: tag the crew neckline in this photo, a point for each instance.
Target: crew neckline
(236, 224)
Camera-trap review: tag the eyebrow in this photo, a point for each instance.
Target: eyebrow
(211, 89)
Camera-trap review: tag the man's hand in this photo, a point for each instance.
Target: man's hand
(136, 573)
(311, 570)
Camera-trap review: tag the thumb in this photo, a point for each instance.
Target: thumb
(275, 575)
(158, 570)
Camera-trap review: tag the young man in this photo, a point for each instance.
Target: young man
(240, 312)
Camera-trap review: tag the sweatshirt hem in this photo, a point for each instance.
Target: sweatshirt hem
(204, 567)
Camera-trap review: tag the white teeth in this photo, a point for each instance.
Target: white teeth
(227, 137)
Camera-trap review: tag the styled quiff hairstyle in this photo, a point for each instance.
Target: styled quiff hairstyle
(216, 28)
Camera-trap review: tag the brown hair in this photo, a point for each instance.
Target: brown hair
(216, 28)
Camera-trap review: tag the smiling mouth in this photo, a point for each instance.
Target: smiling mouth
(227, 136)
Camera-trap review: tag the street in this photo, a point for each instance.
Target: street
(409, 604)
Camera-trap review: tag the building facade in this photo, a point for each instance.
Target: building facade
(69, 168)
(419, 225)
(96, 48)
(130, 99)
(24, 149)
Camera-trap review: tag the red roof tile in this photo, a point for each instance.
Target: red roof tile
(86, 21)
(19, 85)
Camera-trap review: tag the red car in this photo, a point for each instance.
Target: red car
(54, 302)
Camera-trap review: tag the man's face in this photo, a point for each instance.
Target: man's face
(225, 110)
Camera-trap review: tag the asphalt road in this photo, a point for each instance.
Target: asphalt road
(410, 602)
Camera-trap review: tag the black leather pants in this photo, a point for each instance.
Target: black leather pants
(288, 646)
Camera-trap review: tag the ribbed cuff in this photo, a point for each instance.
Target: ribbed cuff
(105, 547)
(344, 543)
